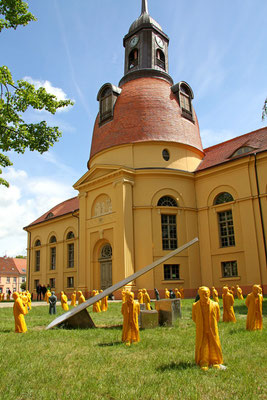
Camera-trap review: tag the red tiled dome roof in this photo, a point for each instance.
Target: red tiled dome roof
(145, 111)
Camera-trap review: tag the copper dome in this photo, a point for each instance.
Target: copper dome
(145, 111)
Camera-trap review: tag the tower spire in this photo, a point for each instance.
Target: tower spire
(144, 7)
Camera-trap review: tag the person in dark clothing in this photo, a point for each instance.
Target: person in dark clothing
(44, 290)
(39, 292)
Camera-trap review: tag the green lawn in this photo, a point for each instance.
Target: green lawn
(93, 364)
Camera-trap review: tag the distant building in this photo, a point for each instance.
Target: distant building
(12, 274)
(151, 187)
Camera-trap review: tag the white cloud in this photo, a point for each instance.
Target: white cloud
(24, 201)
(58, 92)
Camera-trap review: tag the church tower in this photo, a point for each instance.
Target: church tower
(146, 49)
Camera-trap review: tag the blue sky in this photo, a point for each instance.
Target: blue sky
(75, 47)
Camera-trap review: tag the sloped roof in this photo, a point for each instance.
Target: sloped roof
(21, 264)
(8, 266)
(66, 207)
(223, 152)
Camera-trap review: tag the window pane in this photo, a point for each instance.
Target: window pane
(169, 232)
(226, 228)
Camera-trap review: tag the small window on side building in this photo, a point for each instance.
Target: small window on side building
(229, 269)
(171, 272)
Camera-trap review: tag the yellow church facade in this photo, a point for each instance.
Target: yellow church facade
(150, 187)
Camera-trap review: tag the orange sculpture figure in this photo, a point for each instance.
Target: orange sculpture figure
(177, 293)
(47, 295)
(140, 296)
(130, 311)
(123, 295)
(254, 305)
(167, 294)
(206, 314)
(104, 303)
(96, 306)
(182, 292)
(64, 302)
(73, 299)
(81, 298)
(25, 300)
(29, 299)
(214, 294)
(146, 298)
(239, 293)
(228, 309)
(19, 310)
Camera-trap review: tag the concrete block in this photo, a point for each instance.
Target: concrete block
(149, 319)
(169, 310)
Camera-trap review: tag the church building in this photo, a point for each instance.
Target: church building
(150, 187)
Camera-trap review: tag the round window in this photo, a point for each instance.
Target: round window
(166, 154)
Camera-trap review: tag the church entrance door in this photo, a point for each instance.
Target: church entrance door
(105, 266)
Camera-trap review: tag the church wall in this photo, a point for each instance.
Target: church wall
(59, 228)
(238, 179)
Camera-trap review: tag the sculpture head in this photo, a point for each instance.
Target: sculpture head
(204, 294)
(225, 290)
(53, 293)
(256, 290)
(15, 295)
(130, 297)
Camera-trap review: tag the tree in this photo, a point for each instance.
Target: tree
(17, 97)
(23, 286)
(264, 110)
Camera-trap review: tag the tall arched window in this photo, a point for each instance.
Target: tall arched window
(184, 95)
(160, 59)
(53, 253)
(168, 224)
(107, 97)
(70, 247)
(133, 59)
(225, 220)
(37, 256)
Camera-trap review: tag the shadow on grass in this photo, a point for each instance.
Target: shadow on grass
(111, 327)
(242, 309)
(237, 330)
(176, 366)
(109, 344)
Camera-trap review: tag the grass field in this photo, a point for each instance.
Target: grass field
(93, 364)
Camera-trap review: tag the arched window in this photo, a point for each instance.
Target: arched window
(53, 239)
(185, 95)
(106, 251)
(133, 59)
(37, 243)
(107, 97)
(160, 59)
(242, 150)
(49, 215)
(167, 201)
(70, 235)
(223, 197)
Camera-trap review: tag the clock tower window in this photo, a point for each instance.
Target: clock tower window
(133, 59)
(184, 95)
(160, 59)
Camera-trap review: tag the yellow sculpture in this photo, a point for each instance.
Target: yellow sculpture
(140, 296)
(254, 305)
(19, 310)
(239, 293)
(81, 298)
(228, 302)
(47, 295)
(130, 311)
(25, 300)
(104, 303)
(146, 299)
(182, 292)
(64, 301)
(29, 299)
(214, 294)
(177, 293)
(96, 306)
(167, 294)
(73, 299)
(206, 314)
(123, 295)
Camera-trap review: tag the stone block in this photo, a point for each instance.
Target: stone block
(169, 310)
(149, 319)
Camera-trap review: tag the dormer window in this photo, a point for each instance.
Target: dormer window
(242, 150)
(133, 59)
(107, 97)
(49, 215)
(160, 59)
(184, 96)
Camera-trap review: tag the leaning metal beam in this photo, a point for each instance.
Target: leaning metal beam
(117, 286)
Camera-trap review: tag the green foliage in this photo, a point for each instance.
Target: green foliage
(14, 13)
(264, 110)
(20, 256)
(17, 97)
(23, 286)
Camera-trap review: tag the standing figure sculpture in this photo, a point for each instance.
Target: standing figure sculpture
(254, 305)
(181, 289)
(228, 309)
(52, 303)
(206, 314)
(19, 310)
(146, 298)
(130, 311)
(239, 293)
(167, 294)
(214, 294)
(73, 299)
(177, 293)
(64, 302)
(81, 298)
(104, 302)
(140, 296)
(96, 306)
